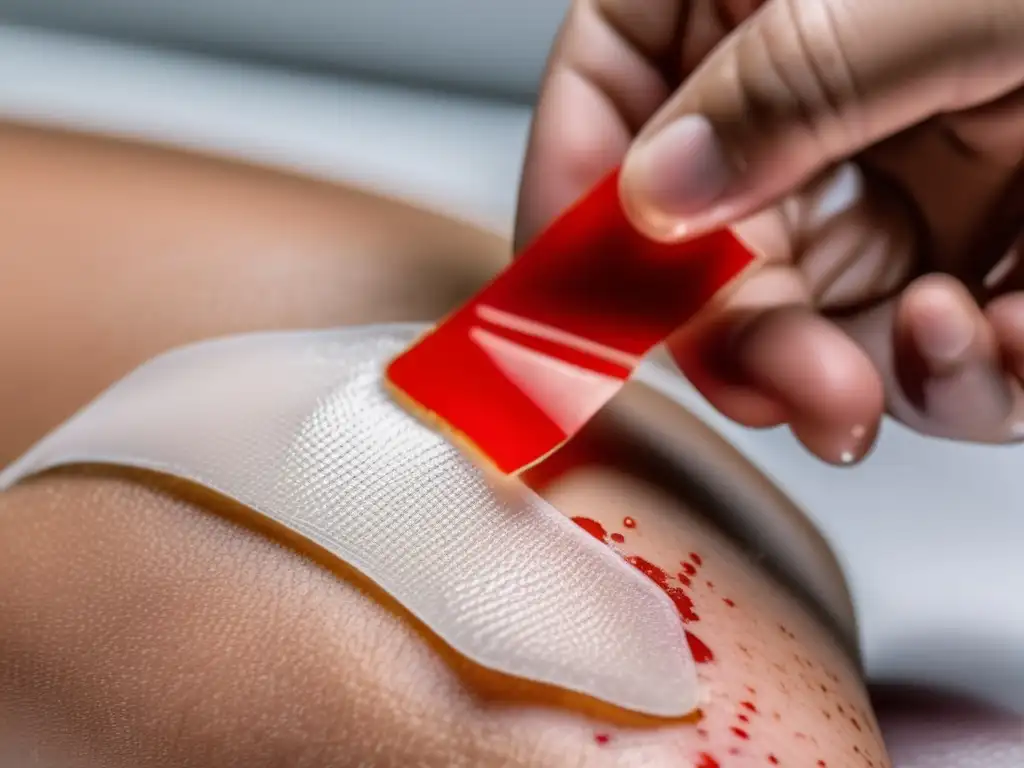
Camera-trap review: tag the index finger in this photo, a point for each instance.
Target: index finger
(613, 65)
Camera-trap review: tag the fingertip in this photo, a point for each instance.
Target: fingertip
(790, 366)
(707, 362)
(940, 319)
(948, 359)
(832, 392)
(674, 182)
(1006, 316)
(840, 446)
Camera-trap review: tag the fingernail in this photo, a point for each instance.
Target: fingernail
(853, 446)
(841, 446)
(675, 181)
(946, 341)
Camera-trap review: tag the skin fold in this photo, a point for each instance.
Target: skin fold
(148, 623)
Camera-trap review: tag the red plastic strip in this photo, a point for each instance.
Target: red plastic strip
(530, 359)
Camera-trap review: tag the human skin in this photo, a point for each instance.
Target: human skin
(147, 623)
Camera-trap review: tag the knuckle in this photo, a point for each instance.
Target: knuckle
(800, 71)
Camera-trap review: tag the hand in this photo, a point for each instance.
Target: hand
(871, 150)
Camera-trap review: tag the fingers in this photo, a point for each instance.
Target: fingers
(767, 357)
(601, 85)
(803, 84)
(790, 364)
(842, 242)
(614, 64)
(1006, 316)
(948, 360)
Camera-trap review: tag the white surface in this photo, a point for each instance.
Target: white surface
(925, 529)
(478, 44)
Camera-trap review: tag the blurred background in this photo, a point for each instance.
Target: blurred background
(430, 102)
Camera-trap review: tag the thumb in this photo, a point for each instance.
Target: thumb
(803, 84)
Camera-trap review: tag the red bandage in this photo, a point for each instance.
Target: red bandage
(530, 359)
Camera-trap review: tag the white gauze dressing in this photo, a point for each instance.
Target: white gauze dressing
(298, 427)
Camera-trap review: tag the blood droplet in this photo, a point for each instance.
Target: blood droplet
(683, 604)
(602, 738)
(689, 569)
(629, 522)
(701, 653)
(592, 527)
(740, 733)
(618, 538)
(749, 706)
(707, 761)
(697, 560)
(731, 603)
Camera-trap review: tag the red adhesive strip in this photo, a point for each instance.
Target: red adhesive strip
(530, 359)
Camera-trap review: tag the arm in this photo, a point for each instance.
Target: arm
(143, 624)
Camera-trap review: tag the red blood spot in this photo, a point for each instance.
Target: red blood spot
(689, 569)
(856, 724)
(629, 522)
(602, 738)
(743, 718)
(618, 538)
(696, 558)
(683, 604)
(650, 570)
(707, 761)
(711, 585)
(684, 579)
(729, 602)
(592, 527)
(682, 601)
(701, 653)
(749, 706)
(740, 733)
(822, 764)
(773, 759)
